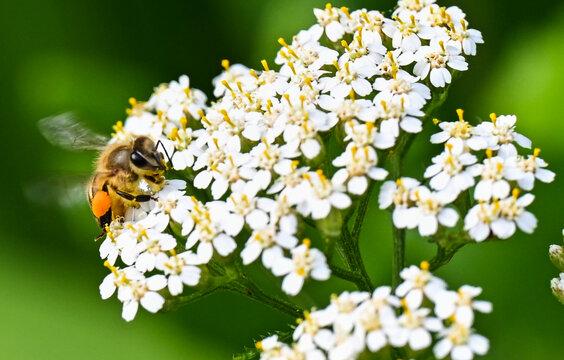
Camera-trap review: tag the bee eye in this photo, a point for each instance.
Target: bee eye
(138, 160)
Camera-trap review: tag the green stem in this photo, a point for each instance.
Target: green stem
(353, 259)
(246, 287)
(398, 261)
(177, 301)
(361, 213)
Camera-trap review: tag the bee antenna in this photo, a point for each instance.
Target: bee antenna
(159, 142)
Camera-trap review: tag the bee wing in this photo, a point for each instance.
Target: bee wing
(66, 131)
(62, 191)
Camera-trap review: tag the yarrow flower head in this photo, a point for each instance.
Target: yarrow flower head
(356, 323)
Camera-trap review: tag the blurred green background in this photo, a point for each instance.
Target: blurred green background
(91, 56)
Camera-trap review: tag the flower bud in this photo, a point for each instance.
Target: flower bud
(332, 224)
(557, 286)
(556, 254)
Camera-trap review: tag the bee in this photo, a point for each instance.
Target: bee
(128, 172)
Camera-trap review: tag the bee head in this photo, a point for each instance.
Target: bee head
(145, 156)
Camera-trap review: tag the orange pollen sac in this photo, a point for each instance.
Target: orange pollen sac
(101, 203)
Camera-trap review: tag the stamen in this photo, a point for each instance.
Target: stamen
(203, 116)
(460, 114)
(489, 153)
(239, 86)
(536, 153)
(264, 65)
(291, 65)
(345, 10)
(269, 106)
(173, 134)
(436, 121)
(225, 64)
(226, 118)
(515, 193)
(442, 45)
(424, 265)
(188, 92)
(283, 43)
(345, 45)
(287, 97)
(226, 84)
(336, 65)
(351, 95)
(306, 242)
(347, 68)
(329, 8)
(253, 74)
(493, 118)
(111, 267)
(307, 80)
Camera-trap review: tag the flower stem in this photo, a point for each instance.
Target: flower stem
(350, 252)
(398, 260)
(246, 287)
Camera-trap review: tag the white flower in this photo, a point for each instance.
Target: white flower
(434, 58)
(461, 343)
(232, 74)
(501, 217)
(350, 76)
(305, 262)
(358, 163)
(320, 195)
(420, 280)
(403, 85)
(142, 291)
(465, 39)
(461, 304)
(406, 32)
(414, 327)
(268, 234)
(329, 18)
(459, 131)
(399, 193)
(448, 173)
(180, 270)
(211, 226)
(500, 133)
(431, 211)
(492, 182)
(150, 248)
(525, 170)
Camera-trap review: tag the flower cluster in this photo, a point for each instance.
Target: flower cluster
(422, 313)
(497, 181)
(254, 164)
(556, 253)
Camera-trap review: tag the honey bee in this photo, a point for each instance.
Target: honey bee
(128, 172)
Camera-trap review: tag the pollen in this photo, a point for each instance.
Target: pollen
(101, 203)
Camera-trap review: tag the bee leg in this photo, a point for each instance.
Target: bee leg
(130, 197)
